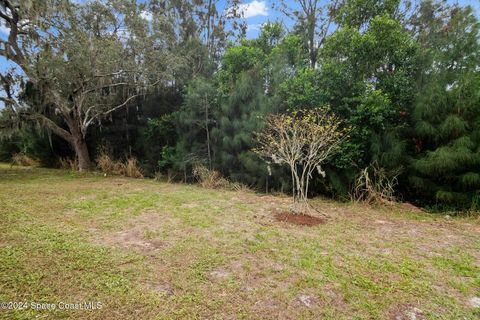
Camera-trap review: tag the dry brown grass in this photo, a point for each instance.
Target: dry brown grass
(212, 179)
(130, 168)
(68, 164)
(374, 185)
(208, 178)
(21, 159)
(106, 164)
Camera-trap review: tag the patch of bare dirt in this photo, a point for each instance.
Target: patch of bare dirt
(267, 303)
(189, 205)
(266, 200)
(161, 288)
(135, 235)
(259, 273)
(474, 302)
(219, 275)
(308, 301)
(407, 206)
(299, 219)
(133, 238)
(88, 197)
(405, 312)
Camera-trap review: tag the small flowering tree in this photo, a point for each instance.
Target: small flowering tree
(303, 140)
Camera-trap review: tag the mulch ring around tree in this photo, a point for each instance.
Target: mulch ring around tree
(299, 219)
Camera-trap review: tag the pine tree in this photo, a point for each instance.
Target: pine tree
(195, 120)
(446, 167)
(239, 117)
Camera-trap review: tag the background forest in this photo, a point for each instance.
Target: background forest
(176, 84)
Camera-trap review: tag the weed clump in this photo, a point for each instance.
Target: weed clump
(21, 159)
(68, 164)
(375, 185)
(129, 168)
(213, 179)
(208, 178)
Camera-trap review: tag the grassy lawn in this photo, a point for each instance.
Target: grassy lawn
(150, 250)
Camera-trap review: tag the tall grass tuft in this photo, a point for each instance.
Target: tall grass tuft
(212, 179)
(21, 159)
(129, 168)
(68, 164)
(132, 169)
(209, 178)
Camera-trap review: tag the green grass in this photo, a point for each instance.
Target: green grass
(150, 250)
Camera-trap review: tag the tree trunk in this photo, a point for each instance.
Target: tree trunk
(77, 140)
(312, 24)
(208, 136)
(81, 150)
